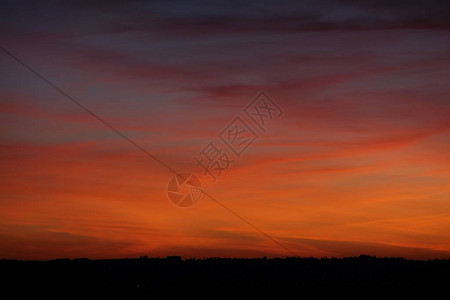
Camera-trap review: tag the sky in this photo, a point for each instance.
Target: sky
(357, 163)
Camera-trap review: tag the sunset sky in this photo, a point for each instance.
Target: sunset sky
(357, 164)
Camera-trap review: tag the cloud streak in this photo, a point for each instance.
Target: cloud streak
(357, 164)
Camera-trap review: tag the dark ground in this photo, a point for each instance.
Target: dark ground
(362, 275)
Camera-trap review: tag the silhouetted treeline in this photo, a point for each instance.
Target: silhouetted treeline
(222, 276)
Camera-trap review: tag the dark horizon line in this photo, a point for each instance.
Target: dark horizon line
(181, 258)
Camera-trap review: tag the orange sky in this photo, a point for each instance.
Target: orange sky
(357, 164)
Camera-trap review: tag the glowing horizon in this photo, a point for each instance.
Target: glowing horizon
(357, 164)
